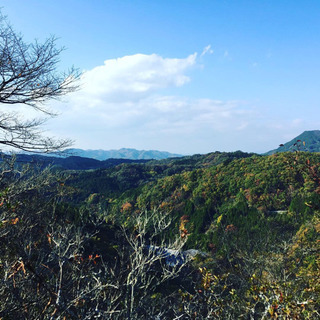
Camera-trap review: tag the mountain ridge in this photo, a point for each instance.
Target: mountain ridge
(123, 153)
(306, 141)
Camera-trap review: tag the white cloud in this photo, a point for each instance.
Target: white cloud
(133, 77)
(121, 104)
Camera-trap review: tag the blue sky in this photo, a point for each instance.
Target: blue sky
(182, 76)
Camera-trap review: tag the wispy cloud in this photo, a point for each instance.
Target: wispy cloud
(206, 50)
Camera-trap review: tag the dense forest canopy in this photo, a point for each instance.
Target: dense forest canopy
(77, 243)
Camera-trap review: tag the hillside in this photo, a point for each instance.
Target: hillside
(123, 177)
(238, 208)
(241, 233)
(306, 141)
(265, 185)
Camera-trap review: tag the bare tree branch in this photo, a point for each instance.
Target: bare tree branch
(29, 76)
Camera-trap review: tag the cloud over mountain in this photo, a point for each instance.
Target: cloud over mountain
(125, 103)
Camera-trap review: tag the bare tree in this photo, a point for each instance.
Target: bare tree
(151, 261)
(29, 76)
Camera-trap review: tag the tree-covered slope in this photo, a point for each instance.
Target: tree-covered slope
(130, 175)
(78, 244)
(259, 186)
(306, 141)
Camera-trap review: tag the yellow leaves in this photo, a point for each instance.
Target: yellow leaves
(219, 219)
(308, 204)
(232, 292)
(185, 188)
(206, 278)
(271, 310)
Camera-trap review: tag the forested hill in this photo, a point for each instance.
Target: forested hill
(243, 229)
(252, 215)
(306, 141)
(255, 186)
(232, 186)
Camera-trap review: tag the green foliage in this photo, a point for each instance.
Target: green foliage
(255, 220)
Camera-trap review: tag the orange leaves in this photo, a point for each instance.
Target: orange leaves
(19, 265)
(164, 204)
(93, 258)
(126, 207)
(10, 221)
(15, 268)
(14, 221)
(182, 227)
(230, 228)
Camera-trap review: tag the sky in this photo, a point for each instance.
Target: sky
(184, 76)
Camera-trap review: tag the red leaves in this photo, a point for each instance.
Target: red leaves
(93, 258)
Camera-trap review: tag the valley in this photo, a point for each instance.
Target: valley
(250, 217)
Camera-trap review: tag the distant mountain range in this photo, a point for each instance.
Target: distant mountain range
(70, 163)
(306, 141)
(124, 153)
(78, 159)
(169, 165)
